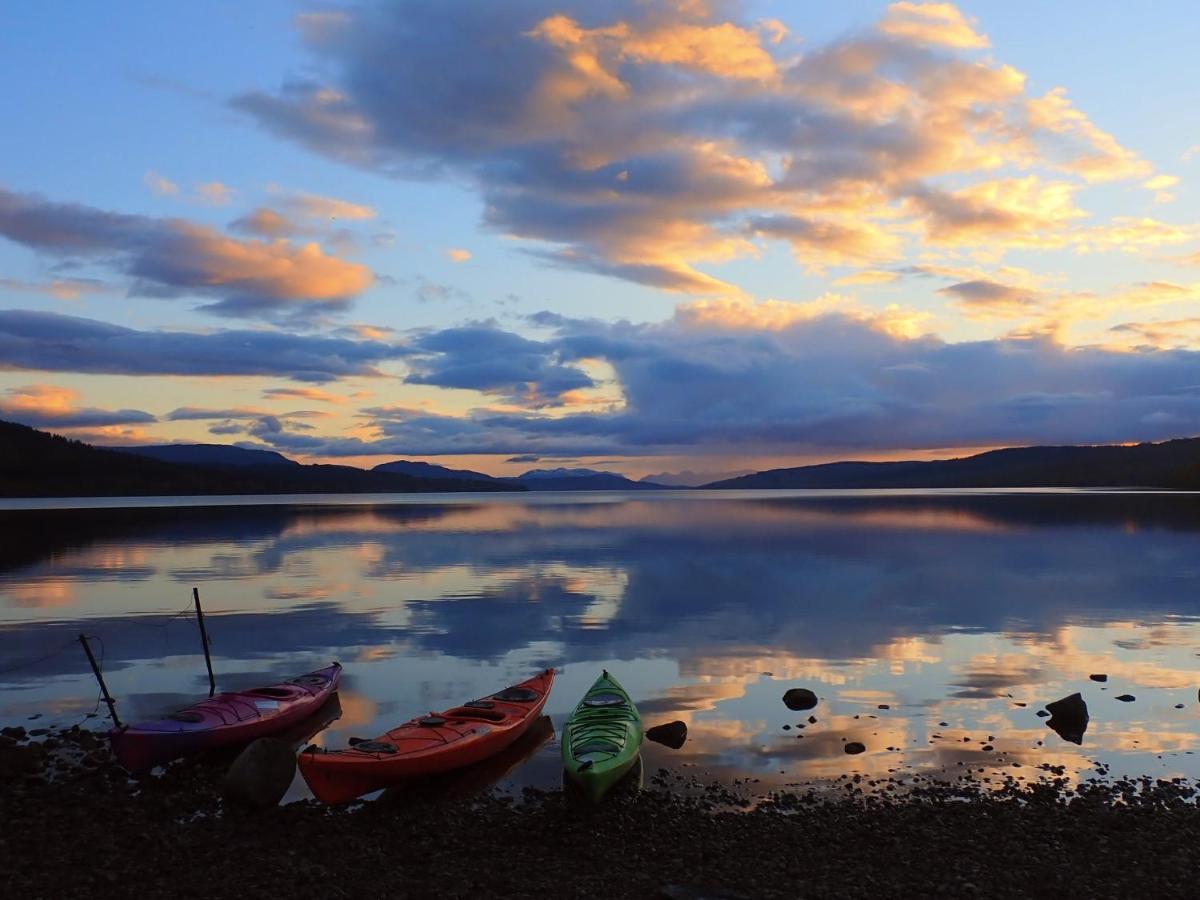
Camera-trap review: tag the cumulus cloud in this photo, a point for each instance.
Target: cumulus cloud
(315, 206)
(49, 342)
(214, 193)
(49, 406)
(171, 257)
(159, 184)
(650, 139)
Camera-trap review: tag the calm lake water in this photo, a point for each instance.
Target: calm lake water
(961, 612)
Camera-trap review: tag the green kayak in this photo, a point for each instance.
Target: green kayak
(601, 738)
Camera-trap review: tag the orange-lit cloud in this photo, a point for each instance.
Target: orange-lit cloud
(458, 254)
(939, 24)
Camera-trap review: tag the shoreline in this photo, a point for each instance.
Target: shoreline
(75, 824)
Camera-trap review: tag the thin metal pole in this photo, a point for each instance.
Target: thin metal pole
(212, 682)
(112, 704)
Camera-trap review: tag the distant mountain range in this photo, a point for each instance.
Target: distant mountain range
(36, 464)
(1172, 464)
(533, 480)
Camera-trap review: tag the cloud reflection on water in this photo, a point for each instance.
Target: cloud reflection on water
(946, 608)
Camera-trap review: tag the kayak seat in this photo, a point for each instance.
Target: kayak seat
(274, 693)
(479, 704)
(186, 715)
(312, 680)
(516, 695)
(375, 747)
(604, 700)
(467, 712)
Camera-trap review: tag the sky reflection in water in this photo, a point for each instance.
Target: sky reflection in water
(951, 610)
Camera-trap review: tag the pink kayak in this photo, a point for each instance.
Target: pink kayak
(224, 720)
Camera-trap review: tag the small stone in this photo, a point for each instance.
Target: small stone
(812, 720)
(988, 748)
(884, 706)
(787, 727)
(1041, 714)
(1099, 677)
(799, 698)
(854, 747)
(1179, 706)
(16, 732)
(1126, 698)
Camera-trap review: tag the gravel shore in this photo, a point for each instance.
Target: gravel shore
(75, 825)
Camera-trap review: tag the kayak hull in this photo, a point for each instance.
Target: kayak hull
(602, 738)
(225, 720)
(427, 745)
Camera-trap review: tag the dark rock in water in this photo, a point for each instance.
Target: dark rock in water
(672, 735)
(1099, 677)
(1179, 706)
(1041, 714)
(261, 774)
(1126, 698)
(1068, 718)
(988, 748)
(884, 706)
(787, 727)
(812, 720)
(854, 747)
(799, 698)
(16, 732)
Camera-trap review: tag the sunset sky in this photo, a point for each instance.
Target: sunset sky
(645, 236)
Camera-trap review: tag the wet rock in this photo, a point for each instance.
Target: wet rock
(1179, 706)
(1041, 714)
(672, 734)
(812, 720)
(787, 727)
(854, 748)
(884, 706)
(1099, 677)
(1068, 718)
(261, 774)
(1126, 698)
(16, 732)
(799, 698)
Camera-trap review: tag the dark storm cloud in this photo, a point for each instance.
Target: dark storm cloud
(40, 341)
(493, 361)
(830, 381)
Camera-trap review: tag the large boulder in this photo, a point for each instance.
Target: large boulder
(1068, 718)
(261, 774)
(672, 735)
(799, 698)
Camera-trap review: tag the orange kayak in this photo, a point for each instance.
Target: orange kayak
(427, 745)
